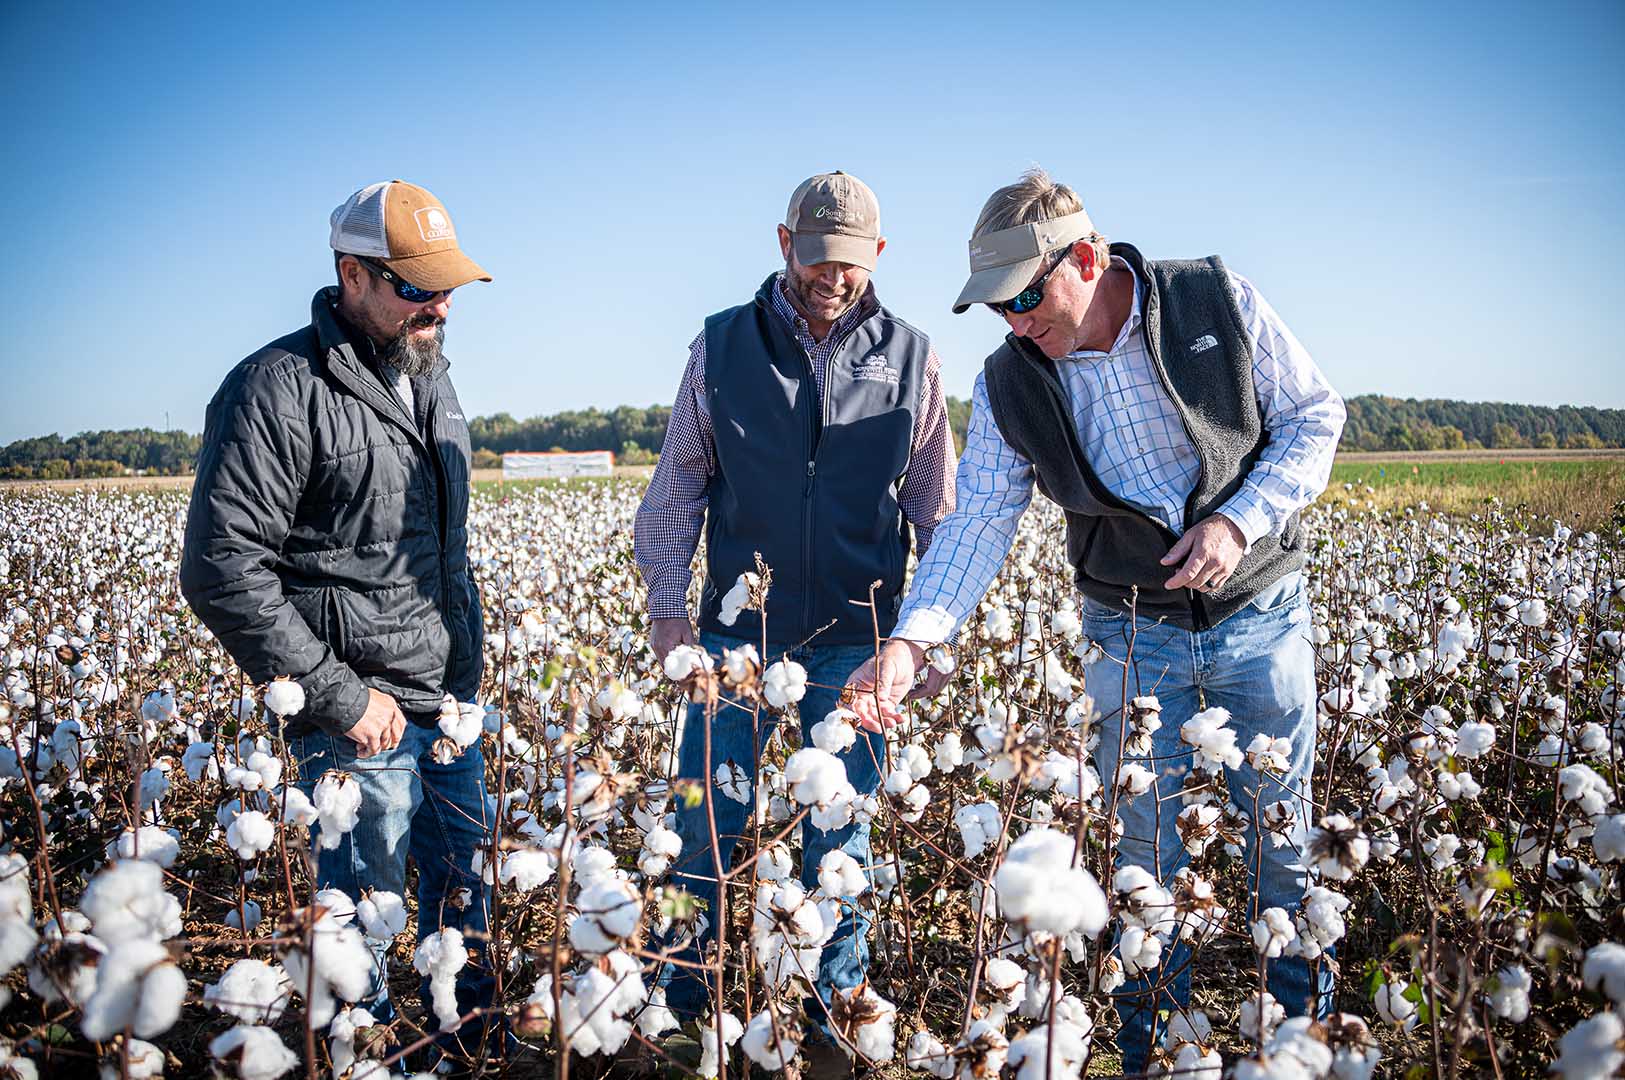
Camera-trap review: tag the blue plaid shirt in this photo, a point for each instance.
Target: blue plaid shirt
(1135, 442)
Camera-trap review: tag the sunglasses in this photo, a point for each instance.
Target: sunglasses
(403, 288)
(1033, 295)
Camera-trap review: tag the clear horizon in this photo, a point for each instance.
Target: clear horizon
(1431, 198)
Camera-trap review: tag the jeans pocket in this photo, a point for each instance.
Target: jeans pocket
(1283, 593)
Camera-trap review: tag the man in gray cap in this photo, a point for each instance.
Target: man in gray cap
(810, 427)
(1181, 427)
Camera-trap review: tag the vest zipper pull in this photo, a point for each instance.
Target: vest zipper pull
(812, 468)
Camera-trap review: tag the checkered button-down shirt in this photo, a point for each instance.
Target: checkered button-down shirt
(672, 514)
(1134, 440)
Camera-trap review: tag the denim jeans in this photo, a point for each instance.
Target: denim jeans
(1259, 665)
(734, 737)
(438, 813)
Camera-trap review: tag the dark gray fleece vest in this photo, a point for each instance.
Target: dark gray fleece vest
(1198, 345)
(812, 485)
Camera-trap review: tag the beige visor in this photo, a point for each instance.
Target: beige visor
(1005, 262)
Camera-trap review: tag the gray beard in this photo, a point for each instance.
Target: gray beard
(411, 356)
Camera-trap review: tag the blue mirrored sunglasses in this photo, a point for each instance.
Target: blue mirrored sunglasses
(403, 288)
(1033, 295)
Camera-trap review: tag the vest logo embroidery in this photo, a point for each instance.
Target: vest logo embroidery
(1204, 343)
(875, 368)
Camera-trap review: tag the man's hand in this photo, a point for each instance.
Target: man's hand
(898, 662)
(666, 634)
(380, 727)
(1210, 550)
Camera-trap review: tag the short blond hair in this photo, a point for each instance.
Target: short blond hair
(1035, 197)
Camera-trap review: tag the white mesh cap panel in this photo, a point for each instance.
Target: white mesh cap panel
(358, 223)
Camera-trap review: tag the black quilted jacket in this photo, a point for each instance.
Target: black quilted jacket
(327, 538)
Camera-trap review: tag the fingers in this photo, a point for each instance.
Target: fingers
(1177, 552)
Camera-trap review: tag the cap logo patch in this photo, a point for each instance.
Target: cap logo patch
(828, 212)
(433, 224)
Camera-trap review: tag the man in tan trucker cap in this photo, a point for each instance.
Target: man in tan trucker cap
(809, 426)
(326, 542)
(1181, 427)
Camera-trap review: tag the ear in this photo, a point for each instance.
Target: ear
(352, 273)
(880, 245)
(1086, 259)
(784, 243)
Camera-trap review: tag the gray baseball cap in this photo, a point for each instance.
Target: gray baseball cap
(834, 217)
(1003, 263)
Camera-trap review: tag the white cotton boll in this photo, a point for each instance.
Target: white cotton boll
(737, 599)
(1581, 785)
(979, 825)
(1509, 993)
(1260, 1014)
(1273, 933)
(685, 661)
(268, 767)
(340, 908)
(337, 798)
(297, 809)
(763, 1048)
(1393, 1006)
(1134, 778)
(593, 862)
(161, 846)
(463, 722)
(740, 664)
(913, 759)
(774, 864)
(127, 901)
(656, 1019)
(284, 697)
(138, 986)
(382, 914)
(1609, 838)
(1139, 949)
(1474, 739)
(607, 912)
(249, 913)
(839, 874)
(733, 782)
(784, 684)
(1337, 848)
(999, 625)
(950, 752)
(1006, 982)
(198, 761)
(1039, 889)
(251, 990)
(876, 1040)
(1215, 741)
(1604, 970)
(1057, 680)
(144, 1061)
(154, 786)
(1039, 1055)
(1591, 1049)
(256, 1053)
(926, 1053)
(712, 1056)
(1267, 754)
(815, 776)
(660, 846)
(1192, 1062)
(441, 956)
(250, 833)
(528, 868)
(1532, 612)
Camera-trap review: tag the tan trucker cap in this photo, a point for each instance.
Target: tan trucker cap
(834, 217)
(408, 230)
(1003, 263)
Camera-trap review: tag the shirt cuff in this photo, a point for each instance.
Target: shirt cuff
(1248, 514)
(668, 598)
(925, 626)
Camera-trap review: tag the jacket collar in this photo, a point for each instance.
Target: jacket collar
(335, 336)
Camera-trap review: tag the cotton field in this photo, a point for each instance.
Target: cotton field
(157, 916)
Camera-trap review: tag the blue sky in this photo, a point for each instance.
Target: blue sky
(1430, 195)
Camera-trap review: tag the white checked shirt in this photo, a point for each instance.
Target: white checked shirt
(1134, 440)
(672, 514)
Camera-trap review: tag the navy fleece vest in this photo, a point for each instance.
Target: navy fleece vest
(811, 485)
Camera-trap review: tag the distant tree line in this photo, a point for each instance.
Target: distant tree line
(635, 435)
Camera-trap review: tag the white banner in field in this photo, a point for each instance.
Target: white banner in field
(524, 466)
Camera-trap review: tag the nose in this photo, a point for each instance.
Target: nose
(1019, 324)
(440, 306)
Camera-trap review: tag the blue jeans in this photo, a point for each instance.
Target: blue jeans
(1258, 664)
(438, 813)
(735, 737)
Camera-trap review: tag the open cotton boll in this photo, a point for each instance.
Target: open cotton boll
(685, 661)
(142, 1061)
(1273, 933)
(154, 844)
(1509, 993)
(737, 599)
(1039, 1055)
(660, 846)
(463, 722)
(835, 733)
(866, 1021)
(17, 934)
(250, 833)
(763, 1048)
(839, 874)
(712, 1056)
(1260, 1013)
(784, 684)
(1591, 1050)
(337, 798)
(524, 869)
(1215, 741)
(284, 697)
(1604, 970)
(774, 863)
(382, 914)
(246, 919)
(607, 911)
(137, 986)
(127, 901)
(251, 990)
(254, 1052)
(733, 782)
(441, 956)
(297, 809)
(925, 1053)
(344, 966)
(815, 776)
(1038, 888)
